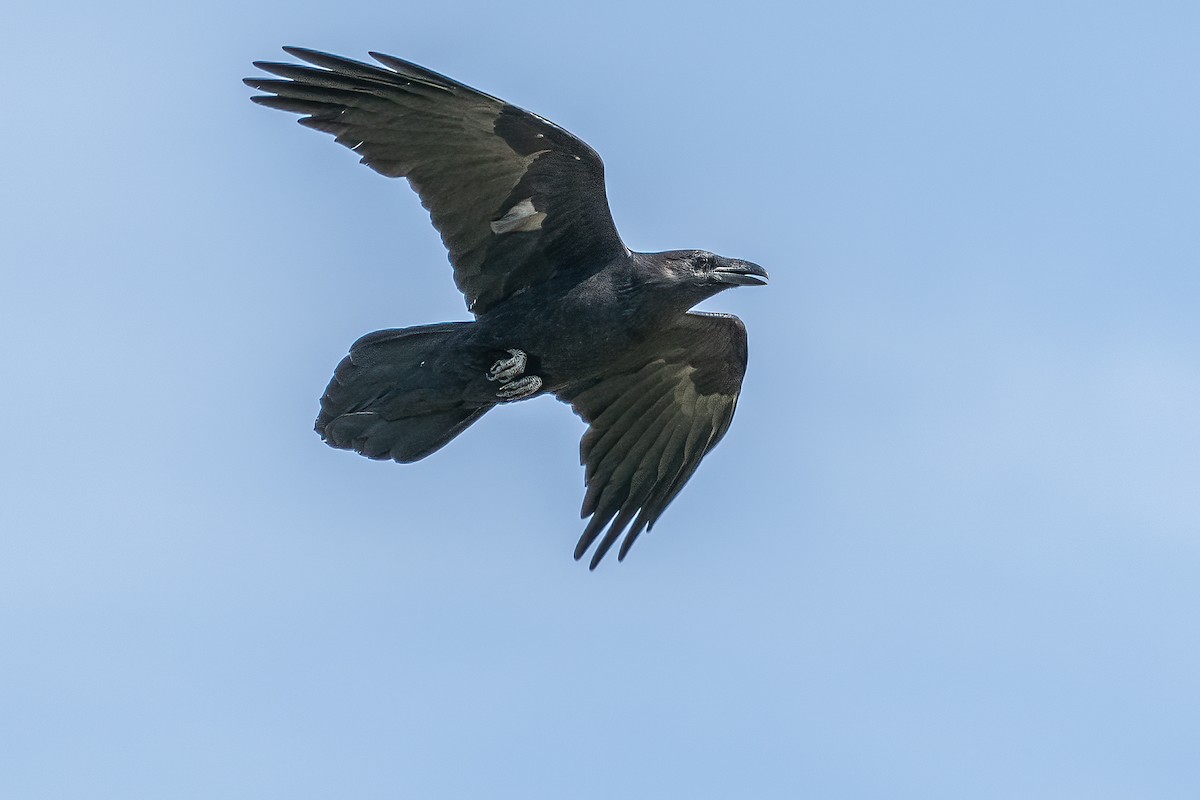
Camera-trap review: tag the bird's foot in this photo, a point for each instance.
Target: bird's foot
(506, 369)
(520, 389)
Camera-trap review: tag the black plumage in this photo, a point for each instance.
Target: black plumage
(561, 305)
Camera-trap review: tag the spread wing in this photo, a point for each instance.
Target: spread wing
(515, 197)
(651, 421)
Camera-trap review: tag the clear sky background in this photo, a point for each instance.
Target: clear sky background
(950, 547)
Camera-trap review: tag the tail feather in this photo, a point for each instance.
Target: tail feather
(406, 439)
(393, 396)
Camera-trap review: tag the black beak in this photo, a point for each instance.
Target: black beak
(740, 273)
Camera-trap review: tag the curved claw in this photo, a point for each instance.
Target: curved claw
(506, 369)
(520, 389)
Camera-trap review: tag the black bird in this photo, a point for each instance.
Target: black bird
(561, 305)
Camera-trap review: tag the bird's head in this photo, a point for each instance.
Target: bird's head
(695, 275)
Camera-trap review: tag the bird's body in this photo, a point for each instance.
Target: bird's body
(561, 305)
(573, 328)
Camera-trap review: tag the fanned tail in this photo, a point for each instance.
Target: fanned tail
(389, 399)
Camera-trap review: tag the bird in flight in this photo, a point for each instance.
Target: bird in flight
(561, 305)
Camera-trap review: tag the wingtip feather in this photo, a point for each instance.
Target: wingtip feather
(301, 52)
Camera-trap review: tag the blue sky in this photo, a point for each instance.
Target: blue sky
(948, 549)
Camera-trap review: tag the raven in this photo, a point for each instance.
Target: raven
(561, 305)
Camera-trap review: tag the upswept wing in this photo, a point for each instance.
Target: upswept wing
(515, 197)
(652, 421)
